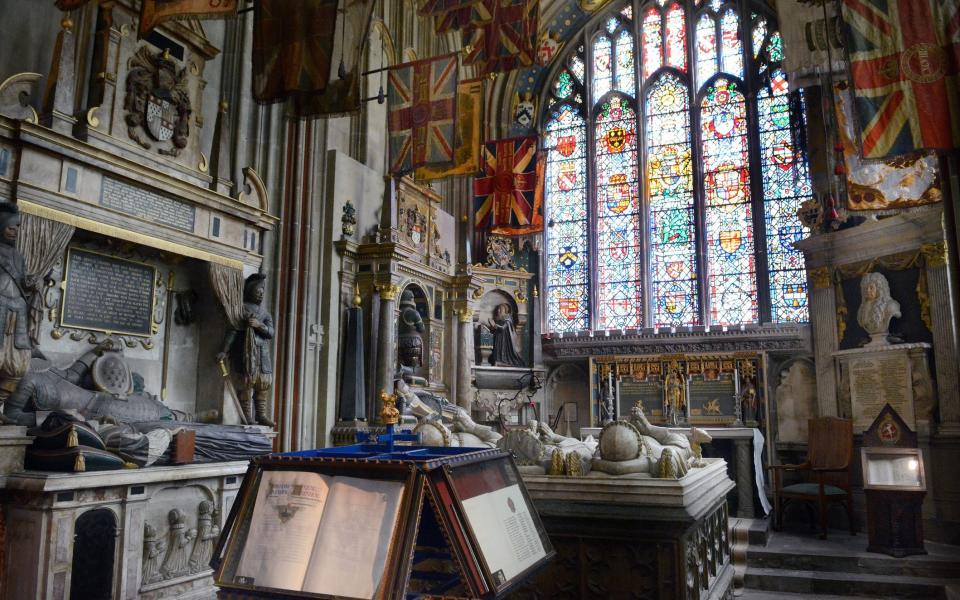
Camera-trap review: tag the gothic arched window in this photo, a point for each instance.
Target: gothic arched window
(672, 171)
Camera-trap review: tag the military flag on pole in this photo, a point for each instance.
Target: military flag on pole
(421, 113)
(466, 154)
(308, 52)
(505, 41)
(506, 194)
(154, 12)
(904, 61)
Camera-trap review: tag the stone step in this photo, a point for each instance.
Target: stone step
(876, 564)
(761, 595)
(868, 585)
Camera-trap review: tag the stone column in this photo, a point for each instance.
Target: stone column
(823, 322)
(464, 357)
(944, 335)
(744, 478)
(387, 342)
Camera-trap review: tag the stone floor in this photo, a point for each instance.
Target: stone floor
(794, 565)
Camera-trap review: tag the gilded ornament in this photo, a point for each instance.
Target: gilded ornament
(389, 415)
(477, 293)
(935, 255)
(464, 314)
(820, 278)
(388, 291)
(520, 296)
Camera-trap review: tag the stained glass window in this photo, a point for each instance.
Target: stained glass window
(652, 42)
(676, 38)
(568, 252)
(729, 218)
(619, 265)
(673, 250)
(698, 239)
(731, 54)
(626, 74)
(706, 48)
(602, 66)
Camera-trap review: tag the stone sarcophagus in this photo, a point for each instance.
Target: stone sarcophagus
(634, 536)
(145, 533)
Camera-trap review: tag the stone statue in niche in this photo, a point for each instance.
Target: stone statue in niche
(248, 349)
(877, 308)
(207, 533)
(153, 552)
(675, 397)
(15, 345)
(177, 561)
(409, 332)
(636, 446)
(504, 351)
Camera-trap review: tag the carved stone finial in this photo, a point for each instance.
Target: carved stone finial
(389, 415)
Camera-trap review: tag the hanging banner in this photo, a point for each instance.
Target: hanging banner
(154, 12)
(508, 194)
(466, 155)
(904, 59)
(507, 40)
(421, 113)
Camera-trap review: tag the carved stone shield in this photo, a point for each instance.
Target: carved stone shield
(161, 117)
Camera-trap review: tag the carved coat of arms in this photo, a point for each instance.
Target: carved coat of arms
(157, 101)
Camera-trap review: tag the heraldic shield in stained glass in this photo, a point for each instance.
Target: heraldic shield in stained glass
(665, 225)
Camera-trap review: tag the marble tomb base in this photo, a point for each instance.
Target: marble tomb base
(635, 536)
(61, 527)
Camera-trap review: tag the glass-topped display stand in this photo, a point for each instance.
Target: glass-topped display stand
(381, 521)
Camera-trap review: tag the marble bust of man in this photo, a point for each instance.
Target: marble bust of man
(877, 308)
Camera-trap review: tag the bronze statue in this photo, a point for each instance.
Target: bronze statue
(248, 349)
(504, 352)
(409, 330)
(15, 345)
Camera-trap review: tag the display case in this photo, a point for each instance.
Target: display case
(365, 521)
(893, 469)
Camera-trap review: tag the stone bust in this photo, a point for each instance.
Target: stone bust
(877, 308)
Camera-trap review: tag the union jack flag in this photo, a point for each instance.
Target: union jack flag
(508, 193)
(507, 40)
(904, 60)
(422, 112)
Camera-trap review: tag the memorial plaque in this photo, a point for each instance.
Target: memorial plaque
(877, 379)
(713, 401)
(106, 293)
(648, 392)
(144, 204)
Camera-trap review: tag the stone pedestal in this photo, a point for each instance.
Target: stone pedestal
(13, 444)
(635, 536)
(42, 509)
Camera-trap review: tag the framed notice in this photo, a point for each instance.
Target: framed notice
(501, 519)
(107, 293)
(648, 392)
(893, 469)
(713, 400)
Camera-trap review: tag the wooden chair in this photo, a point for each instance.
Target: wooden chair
(827, 472)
